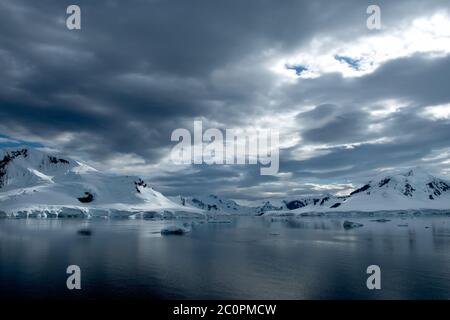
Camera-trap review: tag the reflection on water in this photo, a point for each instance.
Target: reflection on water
(248, 258)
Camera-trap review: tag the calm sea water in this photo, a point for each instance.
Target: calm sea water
(248, 258)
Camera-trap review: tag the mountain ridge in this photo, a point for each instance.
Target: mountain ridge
(413, 189)
(36, 183)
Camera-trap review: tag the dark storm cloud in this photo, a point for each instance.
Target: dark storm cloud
(138, 70)
(146, 67)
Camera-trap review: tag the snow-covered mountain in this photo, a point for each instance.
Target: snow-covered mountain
(269, 205)
(214, 205)
(36, 183)
(411, 190)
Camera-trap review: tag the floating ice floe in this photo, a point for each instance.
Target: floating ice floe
(381, 220)
(175, 230)
(351, 225)
(85, 232)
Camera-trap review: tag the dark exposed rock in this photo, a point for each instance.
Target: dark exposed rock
(324, 200)
(198, 202)
(408, 190)
(337, 204)
(437, 187)
(362, 189)
(434, 188)
(55, 160)
(384, 182)
(267, 206)
(87, 198)
(295, 204)
(203, 205)
(7, 159)
(140, 183)
(444, 186)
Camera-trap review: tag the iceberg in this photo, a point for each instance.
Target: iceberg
(351, 225)
(174, 230)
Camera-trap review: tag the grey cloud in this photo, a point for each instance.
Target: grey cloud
(345, 128)
(140, 69)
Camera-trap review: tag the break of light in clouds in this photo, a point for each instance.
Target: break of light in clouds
(348, 102)
(357, 57)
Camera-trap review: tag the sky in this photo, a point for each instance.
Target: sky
(348, 102)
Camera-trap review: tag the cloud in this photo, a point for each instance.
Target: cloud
(347, 101)
(341, 128)
(437, 112)
(357, 57)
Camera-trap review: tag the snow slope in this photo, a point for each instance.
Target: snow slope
(411, 190)
(35, 183)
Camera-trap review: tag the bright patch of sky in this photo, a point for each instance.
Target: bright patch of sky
(426, 35)
(439, 112)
